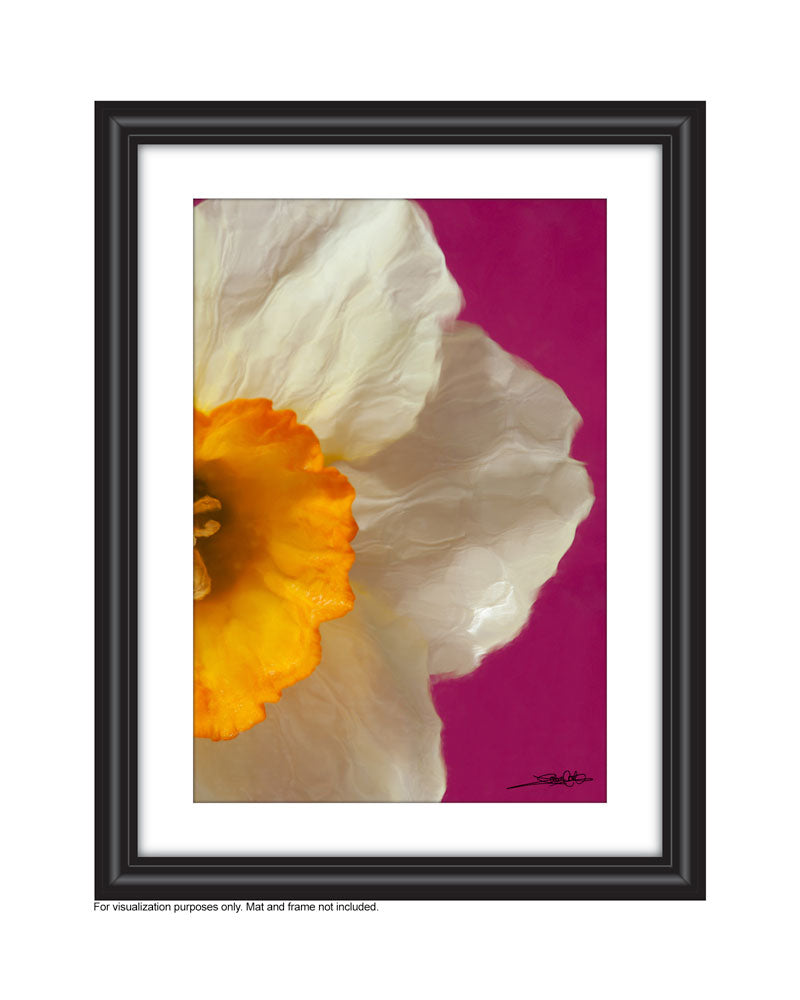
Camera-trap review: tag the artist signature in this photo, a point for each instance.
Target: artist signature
(568, 778)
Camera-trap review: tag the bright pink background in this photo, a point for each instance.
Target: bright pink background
(533, 274)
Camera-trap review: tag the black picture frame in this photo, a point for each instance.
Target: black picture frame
(679, 872)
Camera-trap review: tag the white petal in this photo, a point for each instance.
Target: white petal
(361, 728)
(331, 309)
(463, 520)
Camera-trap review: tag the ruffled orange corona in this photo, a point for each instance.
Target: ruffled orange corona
(272, 530)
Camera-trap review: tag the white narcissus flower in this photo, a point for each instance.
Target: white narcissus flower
(465, 497)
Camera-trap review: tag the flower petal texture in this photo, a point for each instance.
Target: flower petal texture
(361, 728)
(333, 309)
(463, 519)
(277, 558)
(451, 454)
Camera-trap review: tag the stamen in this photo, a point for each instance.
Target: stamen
(204, 527)
(202, 581)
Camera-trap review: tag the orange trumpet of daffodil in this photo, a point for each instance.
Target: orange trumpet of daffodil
(272, 533)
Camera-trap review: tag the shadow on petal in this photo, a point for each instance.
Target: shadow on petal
(463, 519)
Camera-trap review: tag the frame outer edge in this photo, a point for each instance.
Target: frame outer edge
(120, 873)
(112, 537)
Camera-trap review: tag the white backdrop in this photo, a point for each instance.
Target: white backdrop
(61, 57)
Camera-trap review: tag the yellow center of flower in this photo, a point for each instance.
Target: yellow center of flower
(272, 533)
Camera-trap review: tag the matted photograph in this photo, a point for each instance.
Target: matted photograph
(399, 500)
